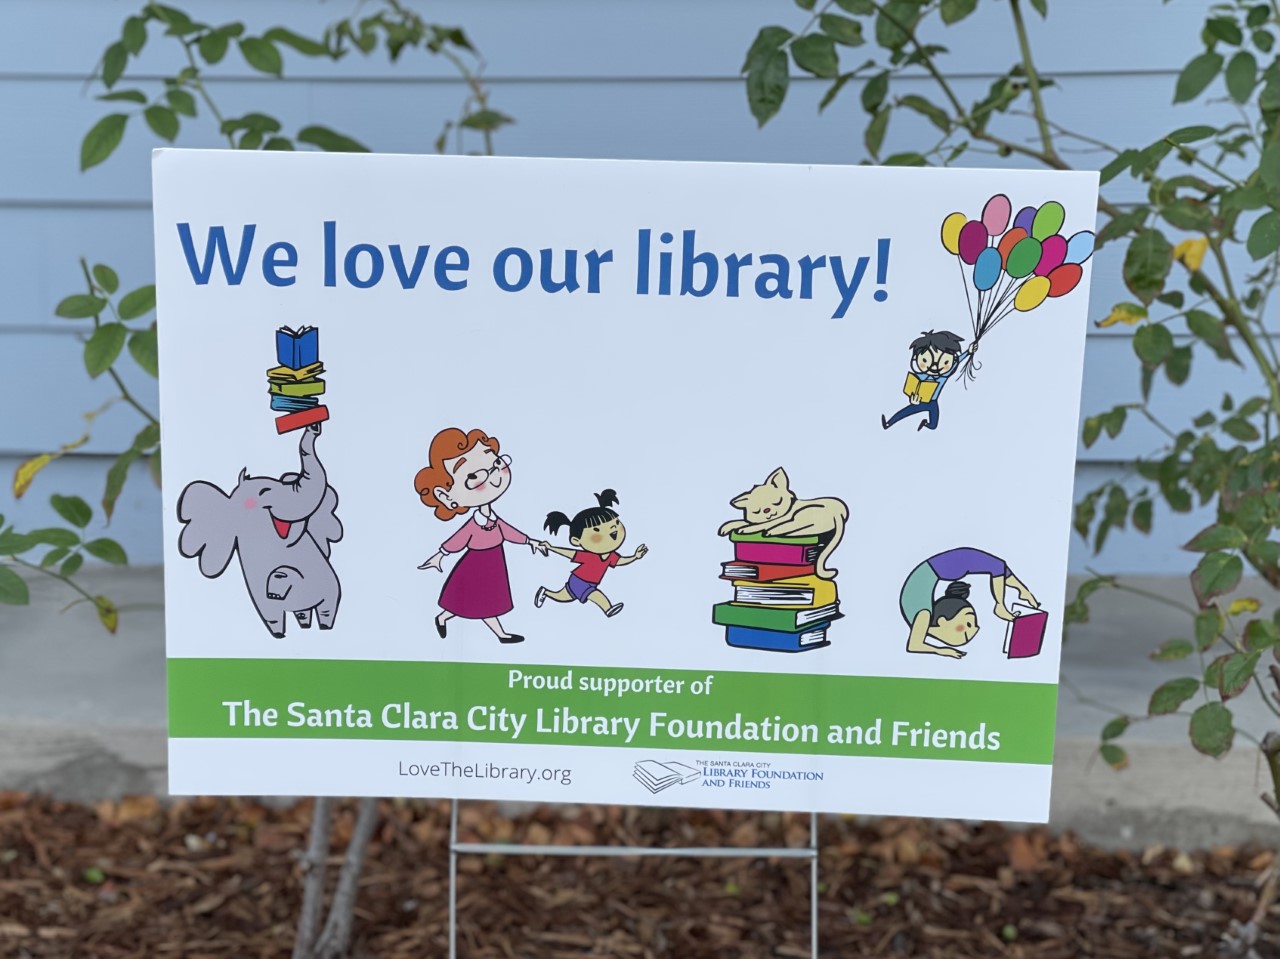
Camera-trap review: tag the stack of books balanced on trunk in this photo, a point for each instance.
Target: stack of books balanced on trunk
(779, 602)
(295, 385)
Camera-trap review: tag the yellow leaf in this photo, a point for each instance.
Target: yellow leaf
(1190, 253)
(1245, 604)
(27, 470)
(107, 613)
(1127, 313)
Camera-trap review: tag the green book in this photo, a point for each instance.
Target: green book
(305, 388)
(762, 538)
(784, 620)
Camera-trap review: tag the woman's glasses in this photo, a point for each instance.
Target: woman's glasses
(478, 478)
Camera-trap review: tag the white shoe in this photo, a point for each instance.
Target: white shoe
(540, 597)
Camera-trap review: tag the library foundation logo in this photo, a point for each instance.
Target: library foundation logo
(656, 776)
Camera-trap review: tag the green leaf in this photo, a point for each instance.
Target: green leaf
(1264, 235)
(874, 134)
(953, 11)
(138, 303)
(1216, 537)
(1213, 333)
(153, 467)
(80, 306)
(181, 101)
(1113, 756)
(1216, 574)
(1242, 74)
(262, 55)
(1197, 75)
(1225, 29)
(767, 42)
(895, 20)
(842, 30)
(11, 543)
(304, 45)
(1173, 649)
(213, 46)
(113, 64)
(1192, 134)
(816, 53)
(480, 120)
(13, 589)
(1041, 7)
(1115, 728)
(1239, 428)
(1168, 697)
(1178, 366)
(278, 143)
(162, 120)
(107, 550)
(71, 565)
(54, 556)
(1142, 516)
(1260, 634)
(1153, 343)
(1237, 673)
(935, 114)
(767, 87)
(127, 96)
(1212, 730)
(103, 348)
(54, 536)
(142, 347)
(1146, 264)
(72, 508)
(116, 476)
(874, 91)
(101, 141)
(134, 34)
(862, 8)
(106, 277)
(332, 142)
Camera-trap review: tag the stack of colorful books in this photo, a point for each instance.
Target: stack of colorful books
(779, 602)
(295, 384)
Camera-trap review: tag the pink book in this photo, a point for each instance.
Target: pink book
(1025, 634)
(790, 554)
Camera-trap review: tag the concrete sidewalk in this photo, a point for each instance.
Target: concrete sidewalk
(82, 715)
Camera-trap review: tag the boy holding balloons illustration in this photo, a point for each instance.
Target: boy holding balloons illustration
(1008, 264)
(935, 356)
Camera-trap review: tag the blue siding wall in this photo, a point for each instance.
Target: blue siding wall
(588, 78)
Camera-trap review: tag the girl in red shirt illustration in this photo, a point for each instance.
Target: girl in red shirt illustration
(597, 532)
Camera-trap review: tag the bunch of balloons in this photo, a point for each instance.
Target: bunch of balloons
(1014, 267)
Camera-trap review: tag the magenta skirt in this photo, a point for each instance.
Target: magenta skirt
(477, 587)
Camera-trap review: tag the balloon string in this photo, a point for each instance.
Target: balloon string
(965, 283)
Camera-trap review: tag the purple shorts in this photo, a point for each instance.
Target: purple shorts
(580, 589)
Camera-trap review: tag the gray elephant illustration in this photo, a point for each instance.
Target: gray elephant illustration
(282, 529)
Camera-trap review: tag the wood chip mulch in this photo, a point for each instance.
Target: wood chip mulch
(221, 878)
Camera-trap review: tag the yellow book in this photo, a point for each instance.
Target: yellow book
(285, 374)
(310, 388)
(926, 388)
(796, 591)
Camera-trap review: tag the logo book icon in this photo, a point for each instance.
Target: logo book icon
(656, 776)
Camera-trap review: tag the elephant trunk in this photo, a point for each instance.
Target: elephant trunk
(307, 490)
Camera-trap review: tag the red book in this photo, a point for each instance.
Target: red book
(296, 421)
(763, 572)
(787, 554)
(1026, 634)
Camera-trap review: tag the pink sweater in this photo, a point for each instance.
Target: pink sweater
(472, 535)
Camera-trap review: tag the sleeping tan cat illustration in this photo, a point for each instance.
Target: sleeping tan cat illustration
(772, 509)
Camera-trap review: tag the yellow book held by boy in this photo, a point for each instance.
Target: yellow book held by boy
(311, 388)
(926, 388)
(285, 374)
(796, 591)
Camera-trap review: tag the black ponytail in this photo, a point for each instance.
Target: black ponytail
(607, 498)
(555, 521)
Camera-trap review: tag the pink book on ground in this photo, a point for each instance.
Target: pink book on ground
(1026, 635)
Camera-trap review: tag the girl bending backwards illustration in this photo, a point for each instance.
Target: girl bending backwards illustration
(597, 533)
(941, 625)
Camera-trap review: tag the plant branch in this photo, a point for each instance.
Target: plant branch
(56, 575)
(1235, 317)
(313, 869)
(124, 390)
(1033, 81)
(336, 937)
